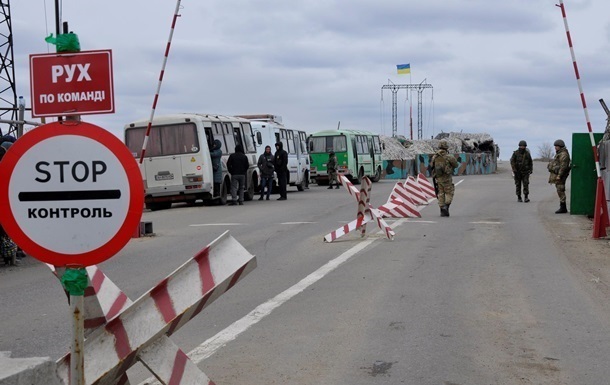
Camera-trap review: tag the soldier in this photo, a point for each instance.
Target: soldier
(443, 165)
(331, 166)
(559, 169)
(522, 165)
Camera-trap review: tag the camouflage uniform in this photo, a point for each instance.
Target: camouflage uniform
(331, 167)
(522, 165)
(446, 187)
(559, 168)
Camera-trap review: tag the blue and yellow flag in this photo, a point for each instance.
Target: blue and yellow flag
(403, 68)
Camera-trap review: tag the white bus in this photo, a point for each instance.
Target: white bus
(269, 130)
(177, 166)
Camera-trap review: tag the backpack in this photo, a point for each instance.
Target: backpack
(441, 166)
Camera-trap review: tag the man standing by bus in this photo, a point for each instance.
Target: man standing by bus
(238, 165)
(281, 169)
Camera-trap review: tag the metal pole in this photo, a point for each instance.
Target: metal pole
(21, 117)
(77, 356)
(154, 106)
(582, 94)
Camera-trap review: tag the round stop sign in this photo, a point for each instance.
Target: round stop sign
(71, 194)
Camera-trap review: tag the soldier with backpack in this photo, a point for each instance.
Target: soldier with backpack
(443, 165)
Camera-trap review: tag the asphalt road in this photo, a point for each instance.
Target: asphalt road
(487, 296)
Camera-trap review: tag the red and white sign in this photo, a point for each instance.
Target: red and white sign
(76, 83)
(71, 194)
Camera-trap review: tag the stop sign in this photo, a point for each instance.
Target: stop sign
(71, 194)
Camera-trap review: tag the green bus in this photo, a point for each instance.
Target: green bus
(358, 154)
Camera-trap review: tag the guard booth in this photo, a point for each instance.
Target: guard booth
(584, 176)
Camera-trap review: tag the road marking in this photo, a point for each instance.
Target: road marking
(487, 223)
(209, 347)
(216, 224)
(295, 223)
(230, 333)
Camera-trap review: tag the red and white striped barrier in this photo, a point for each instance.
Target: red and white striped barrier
(366, 213)
(400, 204)
(426, 187)
(141, 330)
(416, 193)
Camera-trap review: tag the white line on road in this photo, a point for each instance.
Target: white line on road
(210, 346)
(216, 224)
(295, 223)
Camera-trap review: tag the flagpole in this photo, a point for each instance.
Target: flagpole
(410, 106)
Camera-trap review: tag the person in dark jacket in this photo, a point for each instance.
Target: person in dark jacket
(216, 155)
(281, 169)
(266, 167)
(237, 165)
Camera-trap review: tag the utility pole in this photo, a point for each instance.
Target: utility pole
(8, 91)
(420, 89)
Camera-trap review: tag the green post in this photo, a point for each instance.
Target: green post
(584, 177)
(75, 281)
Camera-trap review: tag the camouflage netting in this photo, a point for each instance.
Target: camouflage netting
(403, 148)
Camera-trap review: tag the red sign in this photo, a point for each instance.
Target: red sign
(71, 194)
(76, 83)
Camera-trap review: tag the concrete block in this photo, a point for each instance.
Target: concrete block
(28, 371)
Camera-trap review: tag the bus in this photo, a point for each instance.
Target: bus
(269, 130)
(177, 166)
(358, 154)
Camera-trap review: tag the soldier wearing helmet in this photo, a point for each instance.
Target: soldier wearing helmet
(331, 166)
(559, 169)
(443, 164)
(522, 165)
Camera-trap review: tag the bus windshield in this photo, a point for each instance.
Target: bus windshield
(163, 140)
(326, 144)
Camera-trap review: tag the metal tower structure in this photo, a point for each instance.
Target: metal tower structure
(420, 89)
(8, 90)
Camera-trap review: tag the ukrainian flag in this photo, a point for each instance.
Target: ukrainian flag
(403, 68)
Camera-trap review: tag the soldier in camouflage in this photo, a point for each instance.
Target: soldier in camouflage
(443, 165)
(522, 165)
(559, 169)
(331, 167)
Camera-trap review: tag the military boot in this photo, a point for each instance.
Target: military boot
(447, 208)
(526, 198)
(562, 208)
(444, 211)
(519, 198)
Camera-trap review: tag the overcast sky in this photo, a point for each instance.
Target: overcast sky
(497, 67)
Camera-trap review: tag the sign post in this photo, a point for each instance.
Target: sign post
(71, 194)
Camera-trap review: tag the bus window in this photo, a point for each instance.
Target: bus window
(325, 144)
(209, 136)
(284, 140)
(217, 131)
(259, 138)
(376, 145)
(303, 141)
(229, 138)
(164, 140)
(247, 131)
(291, 143)
(362, 144)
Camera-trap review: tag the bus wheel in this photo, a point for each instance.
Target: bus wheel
(377, 175)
